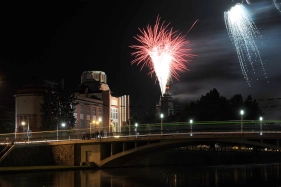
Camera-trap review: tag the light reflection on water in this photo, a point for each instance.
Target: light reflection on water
(191, 176)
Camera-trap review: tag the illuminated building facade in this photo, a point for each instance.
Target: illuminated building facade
(97, 109)
(95, 101)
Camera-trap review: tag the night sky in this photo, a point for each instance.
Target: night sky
(59, 40)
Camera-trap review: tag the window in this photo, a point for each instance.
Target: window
(100, 112)
(88, 110)
(81, 109)
(94, 111)
(82, 123)
(114, 114)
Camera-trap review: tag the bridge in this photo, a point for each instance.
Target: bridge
(117, 149)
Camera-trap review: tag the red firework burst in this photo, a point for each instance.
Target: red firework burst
(162, 48)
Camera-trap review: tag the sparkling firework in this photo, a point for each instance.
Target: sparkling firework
(277, 5)
(243, 33)
(163, 51)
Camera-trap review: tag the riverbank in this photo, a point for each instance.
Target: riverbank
(41, 168)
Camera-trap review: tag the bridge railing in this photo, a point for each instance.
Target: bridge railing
(199, 127)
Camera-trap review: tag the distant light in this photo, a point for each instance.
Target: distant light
(63, 124)
(136, 124)
(191, 121)
(161, 115)
(260, 118)
(242, 112)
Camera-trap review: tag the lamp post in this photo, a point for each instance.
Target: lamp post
(242, 113)
(99, 126)
(261, 125)
(63, 125)
(93, 122)
(136, 125)
(100, 120)
(191, 121)
(23, 123)
(91, 128)
(161, 116)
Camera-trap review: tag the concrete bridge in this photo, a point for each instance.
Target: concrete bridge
(119, 151)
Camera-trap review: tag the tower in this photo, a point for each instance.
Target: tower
(166, 103)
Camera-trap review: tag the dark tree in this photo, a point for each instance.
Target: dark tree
(252, 109)
(236, 104)
(7, 122)
(58, 107)
(213, 107)
(135, 118)
(149, 116)
(189, 112)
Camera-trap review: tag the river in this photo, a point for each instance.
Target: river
(176, 176)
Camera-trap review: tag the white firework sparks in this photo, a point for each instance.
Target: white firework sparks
(277, 5)
(243, 33)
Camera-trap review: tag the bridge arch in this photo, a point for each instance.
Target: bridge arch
(120, 159)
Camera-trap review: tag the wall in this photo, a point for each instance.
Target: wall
(29, 105)
(62, 155)
(90, 153)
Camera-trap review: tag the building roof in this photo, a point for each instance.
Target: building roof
(35, 85)
(92, 86)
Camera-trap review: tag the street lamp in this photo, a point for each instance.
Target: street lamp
(91, 128)
(23, 124)
(63, 125)
(261, 125)
(136, 125)
(191, 121)
(93, 122)
(161, 116)
(99, 125)
(242, 113)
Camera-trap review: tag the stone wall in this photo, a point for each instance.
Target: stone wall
(61, 155)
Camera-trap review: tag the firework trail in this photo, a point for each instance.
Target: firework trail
(243, 33)
(277, 5)
(163, 51)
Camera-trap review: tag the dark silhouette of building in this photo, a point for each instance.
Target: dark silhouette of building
(166, 104)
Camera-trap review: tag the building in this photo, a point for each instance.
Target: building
(97, 109)
(28, 100)
(166, 103)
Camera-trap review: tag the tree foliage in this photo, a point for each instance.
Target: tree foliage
(7, 122)
(58, 107)
(214, 107)
(210, 107)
